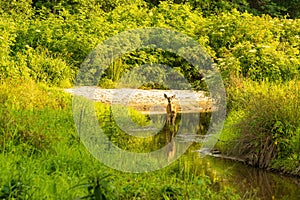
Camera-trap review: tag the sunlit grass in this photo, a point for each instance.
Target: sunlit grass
(42, 156)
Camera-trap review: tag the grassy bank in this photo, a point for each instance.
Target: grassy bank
(42, 157)
(263, 125)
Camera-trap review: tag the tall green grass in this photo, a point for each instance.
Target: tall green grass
(41, 157)
(264, 124)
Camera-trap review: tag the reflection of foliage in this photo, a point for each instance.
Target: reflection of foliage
(114, 133)
(124, 140)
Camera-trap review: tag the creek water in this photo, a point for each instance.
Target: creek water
(249, 182)
(253, 183)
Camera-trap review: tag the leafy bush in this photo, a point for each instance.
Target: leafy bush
(46, 68)
(259, 48)
(7, 39)
(17, 8)
(275, 8)
(51, 42)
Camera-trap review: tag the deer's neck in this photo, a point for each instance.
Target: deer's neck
(171, 108)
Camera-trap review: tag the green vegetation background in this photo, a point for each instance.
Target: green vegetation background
(255, 45)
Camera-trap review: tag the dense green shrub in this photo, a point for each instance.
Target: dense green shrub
(275, 8)
(7, 40)
(17, 8)
(261, 48)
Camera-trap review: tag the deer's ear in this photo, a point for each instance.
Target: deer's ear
(165, 96)
(174, 96)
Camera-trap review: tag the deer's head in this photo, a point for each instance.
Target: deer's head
(169, 98)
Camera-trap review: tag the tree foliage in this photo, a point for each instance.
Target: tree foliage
(48, 40)
(275, 8)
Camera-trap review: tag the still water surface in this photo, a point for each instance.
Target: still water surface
(249, 182)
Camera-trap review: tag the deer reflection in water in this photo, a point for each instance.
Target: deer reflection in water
(170, 143)
(170, 127)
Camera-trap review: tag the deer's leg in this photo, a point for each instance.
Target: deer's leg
(173, 118)
(168, 119)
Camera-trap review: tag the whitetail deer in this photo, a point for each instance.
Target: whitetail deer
(171, 110)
